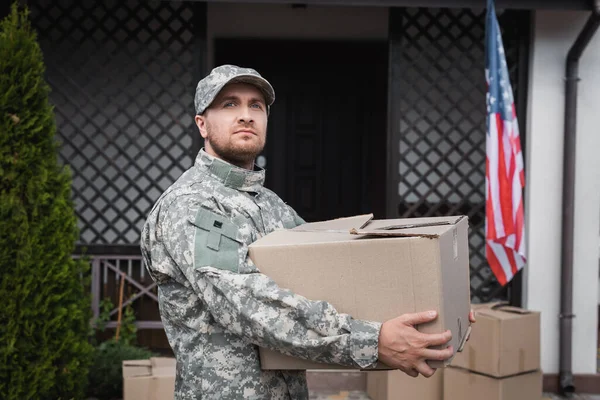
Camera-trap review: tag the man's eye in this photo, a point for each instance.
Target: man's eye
(229, 104)
(256, 105)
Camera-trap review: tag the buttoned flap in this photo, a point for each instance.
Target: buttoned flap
(217, 241)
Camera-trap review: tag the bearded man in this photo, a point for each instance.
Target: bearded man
(216, 306)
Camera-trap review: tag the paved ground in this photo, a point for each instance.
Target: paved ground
(363, 396)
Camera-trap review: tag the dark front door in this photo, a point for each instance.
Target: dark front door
(326, 141)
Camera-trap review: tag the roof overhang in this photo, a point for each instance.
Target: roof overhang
(500, 4)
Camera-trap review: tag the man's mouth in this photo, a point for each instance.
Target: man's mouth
(246, 131)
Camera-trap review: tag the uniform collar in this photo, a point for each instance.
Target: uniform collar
(232, 176)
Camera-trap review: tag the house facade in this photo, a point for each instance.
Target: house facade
(380, 108)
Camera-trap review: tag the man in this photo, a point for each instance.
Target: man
(216, 306)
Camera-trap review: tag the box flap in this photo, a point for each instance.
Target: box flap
(427, 227)
(463, 341)
(511, 309)
(135, 368)
(162, 362)
(136, 363)
(336, 225)
(501, 311)
(163, 366)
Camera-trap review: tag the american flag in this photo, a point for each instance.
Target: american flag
(504, 174)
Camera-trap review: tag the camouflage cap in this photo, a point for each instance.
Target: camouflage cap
(211, 85)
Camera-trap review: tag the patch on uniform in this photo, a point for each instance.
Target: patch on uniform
(216, 242)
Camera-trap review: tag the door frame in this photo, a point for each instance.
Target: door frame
(377, 149)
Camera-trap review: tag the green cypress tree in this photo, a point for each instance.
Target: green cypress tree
(44, 306)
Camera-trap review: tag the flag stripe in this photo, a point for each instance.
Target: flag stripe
(494, 183)
(502, 269)
(504, 209)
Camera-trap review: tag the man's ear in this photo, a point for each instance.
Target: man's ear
(201, 124)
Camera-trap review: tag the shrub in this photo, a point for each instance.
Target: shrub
(128, 329)
(106, 373)
(45, 313)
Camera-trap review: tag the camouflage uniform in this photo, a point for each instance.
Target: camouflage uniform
(217, 307)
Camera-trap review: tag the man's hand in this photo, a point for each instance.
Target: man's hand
(402, 347)
(471, 320)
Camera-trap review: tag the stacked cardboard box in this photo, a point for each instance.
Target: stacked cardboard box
(373, 270)
(501, 361)
(396, 385)
(152, 379)
(461, 384)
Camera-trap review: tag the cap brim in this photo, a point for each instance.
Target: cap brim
(262, 84)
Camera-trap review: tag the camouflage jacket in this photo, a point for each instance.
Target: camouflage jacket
(217, 307)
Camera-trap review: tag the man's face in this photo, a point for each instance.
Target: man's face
(234, 127)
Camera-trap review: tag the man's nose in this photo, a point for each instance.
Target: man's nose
(245, 116)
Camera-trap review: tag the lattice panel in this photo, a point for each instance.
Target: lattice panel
(121, 74)
(441, 140)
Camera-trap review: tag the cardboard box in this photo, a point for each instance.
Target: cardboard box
(394, 385)
(505, 341)
(152, 379)
(373, 270)
(460, 384)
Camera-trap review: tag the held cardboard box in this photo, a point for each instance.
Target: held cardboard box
(460, 384)
(152, 379)
(396, 385)
(373, 270)
(505, 341)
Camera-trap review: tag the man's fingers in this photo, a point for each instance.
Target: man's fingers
(412, 372)
(438, 355)
(425, 369)
(419, 318)
(437, 339)
(472, 317)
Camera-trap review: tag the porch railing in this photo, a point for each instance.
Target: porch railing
(107, 271)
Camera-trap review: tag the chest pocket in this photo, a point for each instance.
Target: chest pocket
(216, 243)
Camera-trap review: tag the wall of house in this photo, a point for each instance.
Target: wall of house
(234, 20)
(554, 33)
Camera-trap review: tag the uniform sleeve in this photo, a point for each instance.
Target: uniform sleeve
(210, 253)
(297, 218)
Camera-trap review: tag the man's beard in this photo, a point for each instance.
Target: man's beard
(236, 155)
